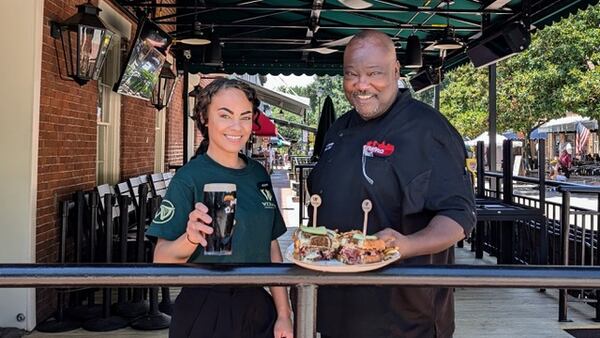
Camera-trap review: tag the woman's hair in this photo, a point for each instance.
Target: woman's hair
(204, 99)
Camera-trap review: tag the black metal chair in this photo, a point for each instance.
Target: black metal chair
(60, 322)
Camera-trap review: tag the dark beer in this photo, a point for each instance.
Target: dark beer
(220, 199)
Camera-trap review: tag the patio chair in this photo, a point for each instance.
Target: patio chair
(167, 176)
(60, 322)
(157, 184)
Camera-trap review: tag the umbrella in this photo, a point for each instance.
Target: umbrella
(536, 134)
(325, 121)
(264, 127)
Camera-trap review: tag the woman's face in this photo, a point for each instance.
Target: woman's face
(229, 122)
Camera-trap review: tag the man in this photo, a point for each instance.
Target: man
(410, 162)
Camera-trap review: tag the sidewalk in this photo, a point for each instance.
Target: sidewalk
(283, 192)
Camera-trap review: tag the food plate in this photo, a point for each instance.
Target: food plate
(337, 266)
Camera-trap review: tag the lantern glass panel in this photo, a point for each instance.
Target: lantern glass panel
(93, 44)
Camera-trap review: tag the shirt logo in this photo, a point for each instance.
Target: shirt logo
(268, 195)
(328, 146)
(379, 149)
(165, 213)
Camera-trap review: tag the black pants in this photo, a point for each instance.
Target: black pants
(223, 313)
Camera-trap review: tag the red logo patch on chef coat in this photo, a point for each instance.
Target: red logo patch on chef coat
(380, 149)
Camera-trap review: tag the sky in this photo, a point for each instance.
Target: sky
(274, 81)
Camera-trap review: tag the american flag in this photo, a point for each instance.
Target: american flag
(581, 139)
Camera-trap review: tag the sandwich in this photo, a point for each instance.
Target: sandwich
(359, 249)
(315, 244)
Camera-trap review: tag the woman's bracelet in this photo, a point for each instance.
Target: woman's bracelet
(189, 240)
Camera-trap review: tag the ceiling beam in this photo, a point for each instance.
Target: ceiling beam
(326, 9)
(388, 27)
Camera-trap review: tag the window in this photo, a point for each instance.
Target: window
(108, 118)
(159, 141)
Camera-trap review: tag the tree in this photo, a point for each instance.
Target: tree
(559, 72)
(316, 92)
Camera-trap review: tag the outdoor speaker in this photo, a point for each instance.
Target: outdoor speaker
(500, 44)
(427, 77)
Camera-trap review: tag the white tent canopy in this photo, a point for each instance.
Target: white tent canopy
(567, 124)
(486, 140)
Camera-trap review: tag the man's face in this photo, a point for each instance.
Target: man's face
(371, 75)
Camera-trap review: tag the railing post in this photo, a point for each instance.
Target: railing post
(508, 227)
(597, 258)
(306, 313)
(543, 259)
(480, 169)
(301, 195)
(564, 251)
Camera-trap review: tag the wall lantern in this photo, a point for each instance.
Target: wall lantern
(162, 93)
(195, 93)
(85, 40)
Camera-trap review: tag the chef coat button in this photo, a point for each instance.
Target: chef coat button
(341, 134)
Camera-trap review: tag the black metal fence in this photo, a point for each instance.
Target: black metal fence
(569, 232)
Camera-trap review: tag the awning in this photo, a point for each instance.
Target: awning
(294, 124)
(280, 36)
(277, 99)
(486, 140)
(567, 124)
(265, 127)
(274, 98)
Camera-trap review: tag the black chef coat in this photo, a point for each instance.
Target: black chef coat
(410, 162)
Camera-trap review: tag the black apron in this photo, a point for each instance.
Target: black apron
(223, 312)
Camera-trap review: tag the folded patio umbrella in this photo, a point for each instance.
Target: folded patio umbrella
(325, 121)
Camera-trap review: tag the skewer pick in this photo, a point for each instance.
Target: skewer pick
(315, 201)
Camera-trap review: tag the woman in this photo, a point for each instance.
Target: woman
(224, 114)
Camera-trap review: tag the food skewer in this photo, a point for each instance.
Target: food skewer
(315, 201)
(366, 207)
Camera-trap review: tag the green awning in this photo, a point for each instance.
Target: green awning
(271, 36)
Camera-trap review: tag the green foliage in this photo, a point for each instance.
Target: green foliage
(317, 91)
(559, 72)
(463, 100)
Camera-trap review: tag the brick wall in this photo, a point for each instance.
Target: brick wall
(67, 145)
(138, 118)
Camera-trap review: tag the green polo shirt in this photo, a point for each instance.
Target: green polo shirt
(258, 220)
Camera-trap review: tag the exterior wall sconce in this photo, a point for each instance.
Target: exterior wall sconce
(162, 93)
(194, 94)
(84, 41)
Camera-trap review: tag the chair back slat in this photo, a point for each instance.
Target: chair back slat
(123, 189)
(102, 190)
(157, 184)
(167, 176)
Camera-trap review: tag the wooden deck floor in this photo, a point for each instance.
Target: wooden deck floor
(487, 312)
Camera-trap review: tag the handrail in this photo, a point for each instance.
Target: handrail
(70, 275)
(579, 189)
(305, 281)
(536, 180)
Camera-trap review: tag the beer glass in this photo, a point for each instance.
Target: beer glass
(220, 199)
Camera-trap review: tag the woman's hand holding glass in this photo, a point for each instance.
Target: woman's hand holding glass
(197, 227)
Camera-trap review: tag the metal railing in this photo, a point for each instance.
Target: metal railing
(303, 198)
(571, 233)
(306, 281)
